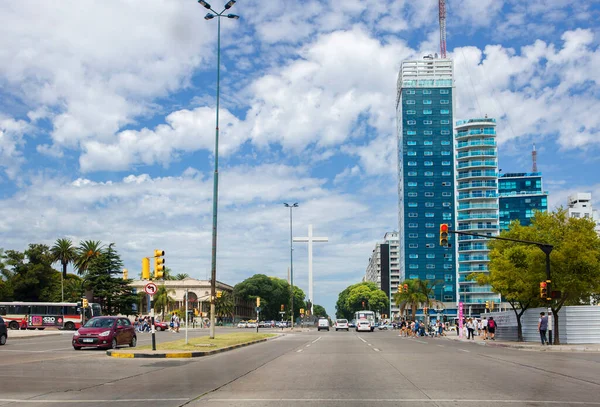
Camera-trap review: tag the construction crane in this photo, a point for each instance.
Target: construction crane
(443, 28)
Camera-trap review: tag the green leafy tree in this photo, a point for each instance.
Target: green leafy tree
(64, 252)
(319, 311)
(6, 290)
(87, 252)
(511, 272)
(272, 292)
(32, 276)
(352, 298)
(411, 299)
(225, 305)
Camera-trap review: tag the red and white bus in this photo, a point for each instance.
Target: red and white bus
(41, 315)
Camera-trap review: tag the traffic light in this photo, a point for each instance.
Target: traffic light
(145, 268)
(491, 305)
(426, 311)
(159, 263)
(487, 305)
(444, 235)
(219, 294)
(258, 301)
(405, 288)
(282, 308)
(85, 303)
(125, 274)
(363, 304)
(301, 311)
(543, 290)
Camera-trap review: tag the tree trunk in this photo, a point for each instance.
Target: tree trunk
(64, 271)
(555, 321)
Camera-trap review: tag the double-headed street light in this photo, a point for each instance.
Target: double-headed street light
(291, 206)
(213, 273)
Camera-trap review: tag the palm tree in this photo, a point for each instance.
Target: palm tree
(224, 305)
(181, 276)
(428, 292)
(64, 252)
(162, 299)
(87, 251)
(412, 298)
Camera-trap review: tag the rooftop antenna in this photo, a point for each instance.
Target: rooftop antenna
(442, 28)
(534, 159)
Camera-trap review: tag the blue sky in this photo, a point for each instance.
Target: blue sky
(107, 116)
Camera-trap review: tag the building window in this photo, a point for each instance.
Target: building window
(427, 111)
(412, 173)
(446, 173)
(429, 194)
(445, 143)
(413, 276)
(429, 215)
(447, 277)
(412, 194)
(429, 204)
(412, 204)
(446, 152)
(410, 92)
(444, 91)
(448, 298)
(446, 163)
(446, 204)
(412, 163)
(428, 153)
(446, 184)
(412, 184)
(411, 112)
(413, 266)
(426, 102)
(429, 184)
(429, 225)
(413, 215)
(448, 288)
(429, 173)
(444, 102)
(430, 266)
(429, 235)
(427, 122)
(444, 111)
(446, 194)
(428, 163)
(411, 143)
(411, 133)
(447, 216)
(413, 235)
(444, 121)
(410, 102)
(448, 266)
(430, 255)
(428, 133)
(428, 143)
(427, 91)
(411, 153)
(413, 225)
(445, 132)
(411, 122)
(413, 256)
(430, 245)
(413, 245)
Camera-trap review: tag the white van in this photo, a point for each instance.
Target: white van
(323, 324)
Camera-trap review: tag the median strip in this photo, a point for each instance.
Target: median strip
(179, 349)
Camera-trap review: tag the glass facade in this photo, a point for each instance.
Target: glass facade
(521, 194)
(477, 186)
(426, 173)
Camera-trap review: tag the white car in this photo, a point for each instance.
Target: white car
(363, 325)
(323, 324)
(342, 324)
(242, 324)
(251, 325)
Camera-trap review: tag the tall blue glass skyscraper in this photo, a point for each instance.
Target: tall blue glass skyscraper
(426, 186)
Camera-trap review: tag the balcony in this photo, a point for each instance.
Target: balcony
(468, 206)
(468, 216)
(467, 257)
(476, 153)
(472, 164)
(481, 120)
(477, 184)
(462, 238)
(475, 143)
(476, 290)
(475, 132)
(477, 227)
(472, 269)
(477, 195)
(478, 174)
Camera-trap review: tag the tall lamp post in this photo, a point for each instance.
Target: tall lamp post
(291, 206)
(213, 273)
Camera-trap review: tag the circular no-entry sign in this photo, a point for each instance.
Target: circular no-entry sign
(150, 288)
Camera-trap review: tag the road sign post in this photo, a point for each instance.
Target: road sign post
(257, 316)
(151, 289)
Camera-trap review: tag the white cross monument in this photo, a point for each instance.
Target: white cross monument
(310, 239)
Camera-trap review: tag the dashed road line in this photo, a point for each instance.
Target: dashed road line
(362, 339)
(299, 350)
(316, 339)
(464, 350)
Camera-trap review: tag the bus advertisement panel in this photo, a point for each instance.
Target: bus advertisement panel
(41, 315)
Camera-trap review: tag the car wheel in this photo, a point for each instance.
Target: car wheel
(113, 344)
(70, 326)
(77, 347)
(3, 339)
(41, 329)
(347, 329)
(13, 325)
(133, 342)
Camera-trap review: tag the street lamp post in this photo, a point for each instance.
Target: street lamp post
(213, 273)
(291, 206)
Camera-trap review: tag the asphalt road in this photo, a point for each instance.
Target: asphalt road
(302, 369)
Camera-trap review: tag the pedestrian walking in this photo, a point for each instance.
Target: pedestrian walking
(543, 327)
(491, 328)
(479, 327)
(176, 323)
(470, 329)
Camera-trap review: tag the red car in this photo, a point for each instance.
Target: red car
(161, 326)
(105, 332)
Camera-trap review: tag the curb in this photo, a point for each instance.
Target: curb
(552, 348)
(21, 338)
(192, 354)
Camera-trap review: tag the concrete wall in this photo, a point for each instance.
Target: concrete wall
(577, 324)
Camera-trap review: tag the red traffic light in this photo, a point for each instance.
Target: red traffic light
(444, 228)
(543, 284)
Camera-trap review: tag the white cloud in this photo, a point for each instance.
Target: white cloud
(11, 142)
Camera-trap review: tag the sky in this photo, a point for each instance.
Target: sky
(107, 121)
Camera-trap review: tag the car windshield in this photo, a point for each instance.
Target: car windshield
(342, 321)
(100, 323)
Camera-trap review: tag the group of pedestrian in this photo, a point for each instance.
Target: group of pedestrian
(419, 328)
(174, 324)
(485, 327)
(142, 324)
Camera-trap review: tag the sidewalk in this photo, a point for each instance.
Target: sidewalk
(529, 346)
(31, 334)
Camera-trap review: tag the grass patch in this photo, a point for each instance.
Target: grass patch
(205, 343)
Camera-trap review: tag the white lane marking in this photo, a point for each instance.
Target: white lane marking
(299, 350)
(308, 345)
(316, 339)
(369, 344)
(457, 400)
(416, 340)
(89, 401)
(464, 350)
(376, 350)
(442, 346)
(362, 339)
